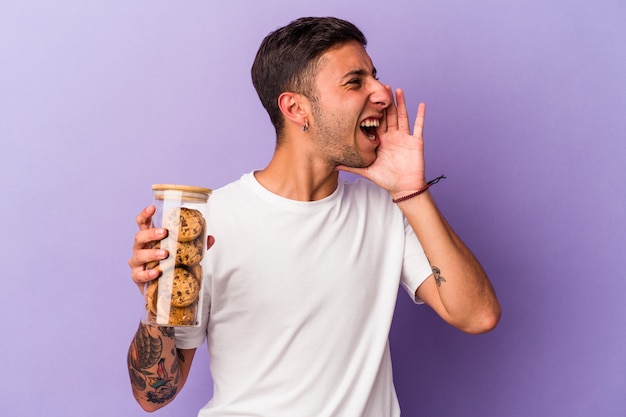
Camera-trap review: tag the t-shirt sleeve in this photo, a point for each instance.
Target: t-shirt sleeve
(416, 267)
(193, 336)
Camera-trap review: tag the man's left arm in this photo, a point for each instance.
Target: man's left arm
(458, 290)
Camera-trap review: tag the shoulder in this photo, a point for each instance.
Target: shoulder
(362, 195)
(362, 189)
(231, 190)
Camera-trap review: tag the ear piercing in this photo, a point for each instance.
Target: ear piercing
(305, 128)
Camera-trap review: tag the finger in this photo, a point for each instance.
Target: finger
(418, 128)
(141, 277)
(143, 255)
(148, 237)
(144, 251)
(139, 263)
(391, 119)
(358, 171)
(144, 219)
(403, 115)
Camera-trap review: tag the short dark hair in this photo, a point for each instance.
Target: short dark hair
(287, 59)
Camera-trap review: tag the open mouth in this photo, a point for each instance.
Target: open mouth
(369, 126)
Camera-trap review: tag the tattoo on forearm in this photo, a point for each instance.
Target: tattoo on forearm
(437, 275)
(167, 331)
(147, 367)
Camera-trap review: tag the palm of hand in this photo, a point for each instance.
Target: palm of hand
(399, 165)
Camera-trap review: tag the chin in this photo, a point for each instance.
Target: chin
(356, 159)
(369, 161)
(363, 163)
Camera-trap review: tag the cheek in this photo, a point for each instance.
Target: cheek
(337, 122)
(334, 122)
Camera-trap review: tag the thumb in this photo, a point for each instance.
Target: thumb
(358, 171)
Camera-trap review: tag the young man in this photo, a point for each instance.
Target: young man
(304, 267)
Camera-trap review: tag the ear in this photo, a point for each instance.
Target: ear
(295, 107)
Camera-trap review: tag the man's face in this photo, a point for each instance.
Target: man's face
(350, 104)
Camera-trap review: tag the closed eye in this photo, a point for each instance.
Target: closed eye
(359, 75)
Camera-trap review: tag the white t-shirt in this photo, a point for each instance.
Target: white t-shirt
(299, 298)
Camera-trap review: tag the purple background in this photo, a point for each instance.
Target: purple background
(526, 117)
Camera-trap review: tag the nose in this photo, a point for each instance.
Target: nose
(380, 95)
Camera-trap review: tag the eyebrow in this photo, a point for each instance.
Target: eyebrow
(360, 73)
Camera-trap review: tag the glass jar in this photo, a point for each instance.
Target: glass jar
(175, 297)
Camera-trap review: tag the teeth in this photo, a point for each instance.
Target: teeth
(370, 123)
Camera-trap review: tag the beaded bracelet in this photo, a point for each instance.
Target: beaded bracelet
(418, 192)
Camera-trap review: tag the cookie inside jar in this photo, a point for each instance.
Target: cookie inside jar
(175, 298)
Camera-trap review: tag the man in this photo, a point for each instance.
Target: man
(304, 266)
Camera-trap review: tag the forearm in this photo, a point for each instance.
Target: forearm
(460, 289)
(154, 366)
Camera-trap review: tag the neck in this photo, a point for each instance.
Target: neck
(293, 173)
